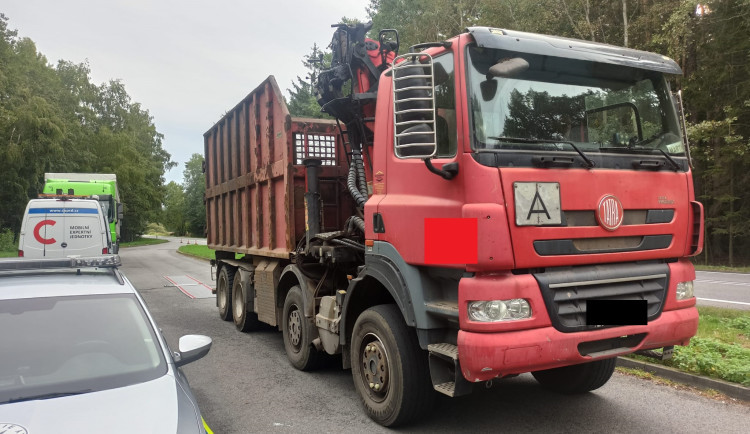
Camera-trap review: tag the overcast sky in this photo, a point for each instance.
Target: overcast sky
(185, 61)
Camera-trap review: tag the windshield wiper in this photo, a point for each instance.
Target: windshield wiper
(48, 396)
(630, 149)
(589, 162)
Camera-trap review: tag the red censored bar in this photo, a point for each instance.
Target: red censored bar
(450, 240)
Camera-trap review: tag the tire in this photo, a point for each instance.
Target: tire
(244, 319)
(575, 379)
(297, 331)
(224, 292)
(383, 343)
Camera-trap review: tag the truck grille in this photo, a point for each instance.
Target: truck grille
(565, 290)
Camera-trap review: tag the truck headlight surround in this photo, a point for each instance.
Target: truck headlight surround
(499, 310)
(685, 290)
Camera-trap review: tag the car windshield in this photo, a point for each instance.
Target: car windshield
(61, 346)
(554, 102)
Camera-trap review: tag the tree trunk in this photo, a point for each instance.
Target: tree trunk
(625, 22)
(731, 216)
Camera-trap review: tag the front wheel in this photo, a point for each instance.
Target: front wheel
(389, 369)
(224, 285)
(580, 378)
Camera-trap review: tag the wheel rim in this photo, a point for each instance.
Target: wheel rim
(239, 304)
(375, 367)
(222, 290)
(294, 328)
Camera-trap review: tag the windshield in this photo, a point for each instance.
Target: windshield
(60, 346)
(107, 209)
(599, 108)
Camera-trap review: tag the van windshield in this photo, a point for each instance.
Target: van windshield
(598, 107)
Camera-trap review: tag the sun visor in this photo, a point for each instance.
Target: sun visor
(554, 46)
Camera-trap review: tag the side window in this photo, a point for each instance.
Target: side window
(445, 105)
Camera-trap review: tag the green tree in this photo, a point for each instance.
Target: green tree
(302, 97)
(195, 188)
(53, 119)
(174, 209)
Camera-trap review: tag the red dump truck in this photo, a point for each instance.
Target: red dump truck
(490, 205)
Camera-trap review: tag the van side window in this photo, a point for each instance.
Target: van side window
(445, 105)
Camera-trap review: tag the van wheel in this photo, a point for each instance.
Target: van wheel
(389, 369)
(244, 319)
(297, 331)
(575, 379)
(224, 292)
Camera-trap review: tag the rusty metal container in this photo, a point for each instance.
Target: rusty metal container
(255, 179)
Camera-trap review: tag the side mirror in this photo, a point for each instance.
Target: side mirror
(192, 348)
(120, 212)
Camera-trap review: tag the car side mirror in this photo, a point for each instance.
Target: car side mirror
(192, 348)
(119, 211)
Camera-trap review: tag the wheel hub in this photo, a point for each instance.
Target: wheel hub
(295, 328)
(375, 368)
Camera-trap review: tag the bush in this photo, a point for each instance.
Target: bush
(714, 358)
(7, 241)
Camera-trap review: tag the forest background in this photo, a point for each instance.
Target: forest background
(53, 119)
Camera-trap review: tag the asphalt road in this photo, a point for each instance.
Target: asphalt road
(245, 383)
(729, 290)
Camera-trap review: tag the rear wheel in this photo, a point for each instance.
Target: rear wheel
(244, 319)
(224, 292)
(297, 331)
(577, 378)
(389, 369)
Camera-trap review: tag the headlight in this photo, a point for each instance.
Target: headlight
(685, 290)
(499, 310)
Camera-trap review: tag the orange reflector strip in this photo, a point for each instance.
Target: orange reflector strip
(369, 243)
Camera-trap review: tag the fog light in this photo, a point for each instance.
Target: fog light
(685, 290)
(499, 310)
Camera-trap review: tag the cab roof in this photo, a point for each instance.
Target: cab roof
(557, 46)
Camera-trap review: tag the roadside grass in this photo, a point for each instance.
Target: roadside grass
(143, 242)
(8, 254)
(197, 250)
(722, 268)
(720, 349)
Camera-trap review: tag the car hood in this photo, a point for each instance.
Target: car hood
(157, 406)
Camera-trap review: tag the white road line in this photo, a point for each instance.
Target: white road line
(723, 282)
(724, 301)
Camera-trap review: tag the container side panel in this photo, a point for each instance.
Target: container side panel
(281, 204)
(233, 219)
(244, 208)
(244, 145)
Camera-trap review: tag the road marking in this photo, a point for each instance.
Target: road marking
(200, 283)
(179, 287)
(723, 282)
(724, 301)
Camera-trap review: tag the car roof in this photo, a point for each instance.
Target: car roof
(77, 201)
(31, 278)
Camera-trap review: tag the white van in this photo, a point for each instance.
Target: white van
(59, 228)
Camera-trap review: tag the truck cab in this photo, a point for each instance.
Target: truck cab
(494, 204)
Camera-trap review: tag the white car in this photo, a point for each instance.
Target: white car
(81, 353)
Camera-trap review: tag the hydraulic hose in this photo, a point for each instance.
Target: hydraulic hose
(351, 183)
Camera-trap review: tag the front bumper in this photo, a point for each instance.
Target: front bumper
(484, 356)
